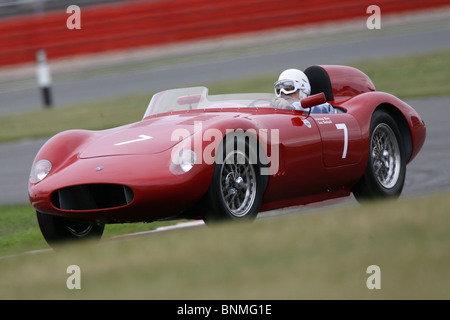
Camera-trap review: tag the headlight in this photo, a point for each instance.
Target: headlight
(183, 162)
(40, 170)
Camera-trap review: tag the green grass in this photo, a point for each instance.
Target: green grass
(19, 230)
(323, 255)
(422, 75)
(92, 116)
(415, 76)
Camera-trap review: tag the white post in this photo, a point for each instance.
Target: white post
(44, 78)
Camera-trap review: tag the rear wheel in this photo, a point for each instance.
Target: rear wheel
(57, 230)
(386, 167)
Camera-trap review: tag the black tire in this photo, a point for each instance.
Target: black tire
(237, 185)
(386, 167)
(57, 230)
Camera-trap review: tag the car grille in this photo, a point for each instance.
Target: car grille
(92, 197)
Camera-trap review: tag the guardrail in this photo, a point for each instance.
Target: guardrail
(140, 24)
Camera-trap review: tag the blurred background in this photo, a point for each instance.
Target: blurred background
(28, 25)
(133, 34)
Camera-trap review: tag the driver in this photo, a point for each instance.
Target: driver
(292, 86)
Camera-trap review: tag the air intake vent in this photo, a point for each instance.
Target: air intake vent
(92, 197)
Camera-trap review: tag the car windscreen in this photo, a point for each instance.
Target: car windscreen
(198, 98)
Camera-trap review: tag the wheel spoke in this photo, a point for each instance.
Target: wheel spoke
(237, 183)
(385, 156)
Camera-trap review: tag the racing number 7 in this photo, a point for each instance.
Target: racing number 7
(342, 126)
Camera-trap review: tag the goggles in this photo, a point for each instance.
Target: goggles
(289, 86)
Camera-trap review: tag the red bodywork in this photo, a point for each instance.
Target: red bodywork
(320, 156)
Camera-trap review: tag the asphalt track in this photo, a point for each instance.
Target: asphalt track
(428, 173)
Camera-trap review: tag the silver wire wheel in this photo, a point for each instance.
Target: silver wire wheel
(385, 172)
(238, 183)
(386, 156)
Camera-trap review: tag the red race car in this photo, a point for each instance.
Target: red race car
(230, 156)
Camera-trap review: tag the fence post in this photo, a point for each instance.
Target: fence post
(44, 78)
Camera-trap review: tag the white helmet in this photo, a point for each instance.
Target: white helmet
(291, 80)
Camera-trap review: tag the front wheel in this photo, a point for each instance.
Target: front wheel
(57, 230)
(237, 186)
(386, 167)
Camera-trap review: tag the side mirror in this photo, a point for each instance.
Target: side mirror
(313, 100)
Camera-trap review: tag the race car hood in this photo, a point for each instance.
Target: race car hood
(148, 136)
